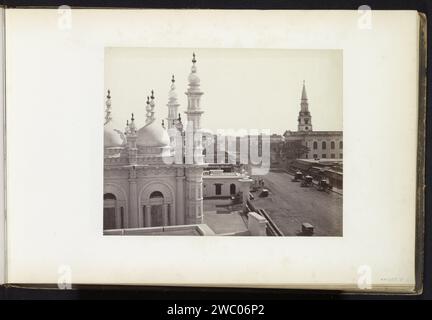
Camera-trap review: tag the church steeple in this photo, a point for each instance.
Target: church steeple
(304, 118)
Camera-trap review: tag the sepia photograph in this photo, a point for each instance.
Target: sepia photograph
(214, 148)
(223, 142)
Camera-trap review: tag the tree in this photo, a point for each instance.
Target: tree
(293, 149)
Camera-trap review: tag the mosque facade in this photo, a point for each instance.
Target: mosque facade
(144, 183)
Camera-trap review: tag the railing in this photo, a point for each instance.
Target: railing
(272, 228)
(215, 174)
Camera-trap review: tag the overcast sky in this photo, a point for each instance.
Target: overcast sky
(243, 88)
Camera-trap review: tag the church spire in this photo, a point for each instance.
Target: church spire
(304, 95)
(304, 118)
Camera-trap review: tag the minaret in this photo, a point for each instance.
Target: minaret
(194, 94)
(194, 170)
(150, 105)
(108, 117)
(131, 137)
(304, 118)
(172, 105)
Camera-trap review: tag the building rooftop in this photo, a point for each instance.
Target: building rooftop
(181, 230)
(311, 133)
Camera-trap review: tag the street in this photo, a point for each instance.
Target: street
(290, 205)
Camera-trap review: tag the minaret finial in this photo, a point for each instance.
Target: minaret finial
(130, 126)
(193, 58)
(172, 79)
(150, 108)
(126, 132)
(108, 117)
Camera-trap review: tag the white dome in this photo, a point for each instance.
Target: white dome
(112, 138)
(153, 135)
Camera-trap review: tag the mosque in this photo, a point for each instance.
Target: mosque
(151, 178)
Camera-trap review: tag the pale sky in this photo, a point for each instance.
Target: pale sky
(243, 88)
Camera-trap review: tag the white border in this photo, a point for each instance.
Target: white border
(55, 88)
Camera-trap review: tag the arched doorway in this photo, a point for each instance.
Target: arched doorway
(109, 218)
(114, 208)
(157, 206)
(156, 202)
(232, 189)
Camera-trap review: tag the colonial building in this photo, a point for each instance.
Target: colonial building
(321, 144)
(220, 184)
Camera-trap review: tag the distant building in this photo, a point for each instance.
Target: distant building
(276, 144)
(321, 144)
(221, 184)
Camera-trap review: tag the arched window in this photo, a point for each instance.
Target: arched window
(232, 188)
(315, 145)
(109, 196)
(323, 145)
(218, 189)
(156, 194)
(340, 145)
(332, 145)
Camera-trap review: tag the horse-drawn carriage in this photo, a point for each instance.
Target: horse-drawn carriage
(324, 185)
(297, 176)
(307, 181)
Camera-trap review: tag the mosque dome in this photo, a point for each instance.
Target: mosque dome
(153, 135)
(112, 137)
